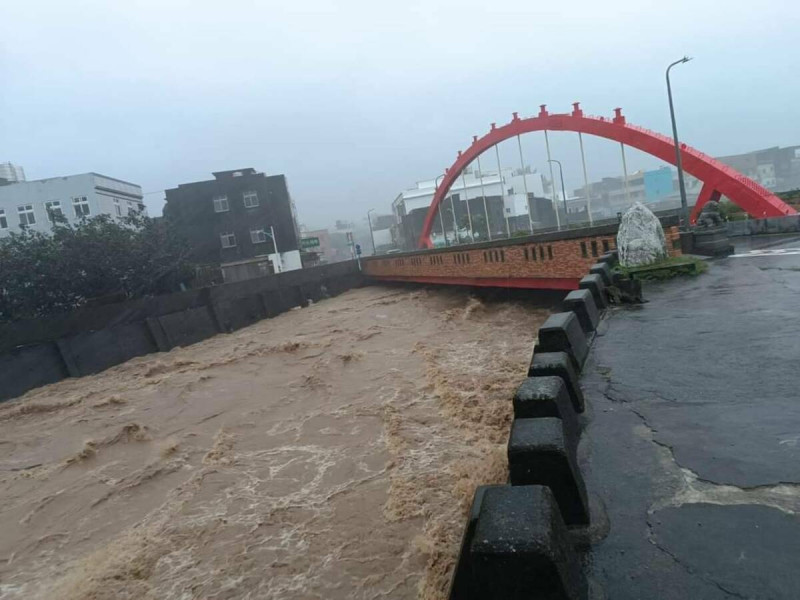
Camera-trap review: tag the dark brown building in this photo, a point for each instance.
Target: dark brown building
(232, 217)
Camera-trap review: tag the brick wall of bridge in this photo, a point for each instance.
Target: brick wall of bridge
(548, 256)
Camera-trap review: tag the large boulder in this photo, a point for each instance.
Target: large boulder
(640, 239)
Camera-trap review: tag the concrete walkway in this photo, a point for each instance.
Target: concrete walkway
(693, 440)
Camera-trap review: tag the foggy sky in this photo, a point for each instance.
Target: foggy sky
(354, 101)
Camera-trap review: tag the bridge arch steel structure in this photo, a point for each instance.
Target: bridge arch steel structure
(718, 178)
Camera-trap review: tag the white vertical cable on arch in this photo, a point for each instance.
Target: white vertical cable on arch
(552, 180)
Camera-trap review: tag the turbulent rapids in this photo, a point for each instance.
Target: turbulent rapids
(328, 453)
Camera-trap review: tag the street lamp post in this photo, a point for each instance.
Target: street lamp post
(278, 262)
(563, 190)
(371, 235)
(678, 162)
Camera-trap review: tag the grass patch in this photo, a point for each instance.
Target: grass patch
(668, 268)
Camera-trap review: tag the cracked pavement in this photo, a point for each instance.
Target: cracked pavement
(692, 439)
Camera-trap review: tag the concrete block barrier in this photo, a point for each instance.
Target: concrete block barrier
(559, 364)
(604, 270)
(546, 396)
(544, 452)
(612, 258)
(462, 586)
(629, 290)
(562, 332)
(521, 547)
(581, 302)
(594, 283)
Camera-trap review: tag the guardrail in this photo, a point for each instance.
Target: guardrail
(770, 225)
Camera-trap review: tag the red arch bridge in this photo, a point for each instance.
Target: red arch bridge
(718, 179)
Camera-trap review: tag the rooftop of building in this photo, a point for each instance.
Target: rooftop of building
(45, 179)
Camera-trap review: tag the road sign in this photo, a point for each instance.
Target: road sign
(309, 242)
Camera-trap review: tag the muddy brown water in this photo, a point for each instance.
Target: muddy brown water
(328, 453)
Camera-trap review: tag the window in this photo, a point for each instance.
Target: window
(257, 236)
(594, 247)
(250, 199)
(53, 210)
(584, 252)
(502, 256)
(221, 204)
(550, 252)
(3, 220)
(605, 246)
(228, 240)
(81, 206)
(132, 209)
(117, 207)
(26, 215)
(541, 252)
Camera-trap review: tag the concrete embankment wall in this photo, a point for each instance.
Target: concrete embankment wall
(790, 224)
(41, 351)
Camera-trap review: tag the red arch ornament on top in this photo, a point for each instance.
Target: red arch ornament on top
(718, 179)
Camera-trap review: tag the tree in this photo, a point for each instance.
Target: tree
(98, 257)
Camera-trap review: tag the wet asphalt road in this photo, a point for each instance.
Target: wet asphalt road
(692, 440)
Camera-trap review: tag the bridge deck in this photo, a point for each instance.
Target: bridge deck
(555, 260)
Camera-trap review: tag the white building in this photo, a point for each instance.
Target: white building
(474, 184)
(511, 184)
(34, 204)
(11, 173)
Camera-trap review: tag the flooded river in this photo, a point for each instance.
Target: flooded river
(329, 453)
